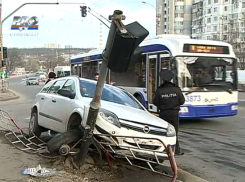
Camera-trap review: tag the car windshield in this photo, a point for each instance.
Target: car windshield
(32, 78)
(110, 94)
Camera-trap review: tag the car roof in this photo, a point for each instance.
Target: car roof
(88, 80)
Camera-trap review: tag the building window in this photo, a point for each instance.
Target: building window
(225, 27)
(208, 20)
(226, 1)
(243, 4)
(179, 15)
(215, 28)
(225, 8)
(208, 37)
(209, 11)
(208, 29)
(215, 19)
(179, 7)
(209, 1)
(215, 9)
(215, 1)
(225, 37)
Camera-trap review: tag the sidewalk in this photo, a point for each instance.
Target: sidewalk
(7, 95)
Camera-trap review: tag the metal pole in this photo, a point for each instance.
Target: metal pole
(95, 103)
(11, 15)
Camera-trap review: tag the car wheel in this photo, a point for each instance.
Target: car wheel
(74, 122)
(67, 138)
(34, 128)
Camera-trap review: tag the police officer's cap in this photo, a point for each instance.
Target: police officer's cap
(166, 75)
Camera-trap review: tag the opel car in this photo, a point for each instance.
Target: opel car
(59, 107)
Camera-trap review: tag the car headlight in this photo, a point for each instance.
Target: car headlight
(171, 131)
(184, 110)
(110, 117)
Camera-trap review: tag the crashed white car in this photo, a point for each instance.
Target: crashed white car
(59, 107)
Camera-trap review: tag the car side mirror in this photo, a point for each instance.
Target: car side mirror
(66, 93)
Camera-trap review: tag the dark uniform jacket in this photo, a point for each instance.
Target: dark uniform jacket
(168, 96)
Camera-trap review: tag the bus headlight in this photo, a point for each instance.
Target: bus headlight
(234, 107)
(110, 117)
(184, 109)
(171, 131)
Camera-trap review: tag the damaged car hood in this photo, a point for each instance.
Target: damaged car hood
(130, 113)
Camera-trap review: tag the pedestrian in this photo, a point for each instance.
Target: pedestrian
(51, 76)
(168, 98)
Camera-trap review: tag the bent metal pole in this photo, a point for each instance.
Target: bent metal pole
(95, 103)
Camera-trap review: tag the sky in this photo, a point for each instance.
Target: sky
(63, 24)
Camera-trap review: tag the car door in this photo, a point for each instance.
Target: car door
(41, 98)
(50, 105)
(64, 106)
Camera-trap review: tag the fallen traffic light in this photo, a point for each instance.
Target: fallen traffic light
(125, 47)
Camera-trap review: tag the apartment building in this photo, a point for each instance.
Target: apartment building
(174, 17)
(218, 19)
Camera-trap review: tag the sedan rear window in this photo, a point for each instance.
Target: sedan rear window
(110, 94)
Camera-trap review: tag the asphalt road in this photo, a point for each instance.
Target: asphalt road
(214, 148)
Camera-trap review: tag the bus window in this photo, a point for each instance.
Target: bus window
(140, 71)
(89, 69)
(79, 70)
(152, 79)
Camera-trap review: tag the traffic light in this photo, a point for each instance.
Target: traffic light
(3, 63)
(5, 52)
(84, 11)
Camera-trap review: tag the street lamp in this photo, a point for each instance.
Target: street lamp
(156, 13)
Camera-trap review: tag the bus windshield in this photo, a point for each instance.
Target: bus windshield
(205, 73)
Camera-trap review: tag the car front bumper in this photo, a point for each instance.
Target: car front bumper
(145, 145)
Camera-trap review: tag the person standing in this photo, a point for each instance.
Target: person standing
(168, 98)
(51, 76)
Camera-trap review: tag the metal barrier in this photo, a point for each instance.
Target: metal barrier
(135, 154)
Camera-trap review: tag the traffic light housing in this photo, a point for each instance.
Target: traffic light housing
(3, 63)
(125, 47)
(5, 52)
(84, 11)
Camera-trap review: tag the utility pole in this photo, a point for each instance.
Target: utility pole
(121, 48)
(95, 105)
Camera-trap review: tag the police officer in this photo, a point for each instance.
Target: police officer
(168, 98)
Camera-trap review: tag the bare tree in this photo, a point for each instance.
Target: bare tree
(14, 59)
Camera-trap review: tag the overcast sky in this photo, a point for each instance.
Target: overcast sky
(63, 24)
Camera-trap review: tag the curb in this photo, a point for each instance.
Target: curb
(188, 177)
(11, 98)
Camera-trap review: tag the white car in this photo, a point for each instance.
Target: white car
(59, 107)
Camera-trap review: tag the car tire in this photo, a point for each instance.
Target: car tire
(34, 128)
(67, 138)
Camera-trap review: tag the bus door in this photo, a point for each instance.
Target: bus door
(151, 80)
